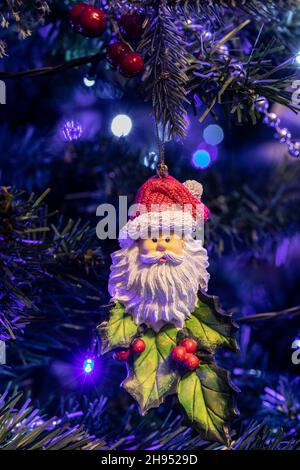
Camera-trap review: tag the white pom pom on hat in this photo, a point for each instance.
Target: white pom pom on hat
(194, 187)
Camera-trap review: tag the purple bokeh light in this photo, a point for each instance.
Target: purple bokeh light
(72, 130)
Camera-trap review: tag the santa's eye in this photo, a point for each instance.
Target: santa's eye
(167, 240)
(154, 240)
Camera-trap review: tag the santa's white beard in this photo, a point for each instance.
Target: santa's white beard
(156, 293)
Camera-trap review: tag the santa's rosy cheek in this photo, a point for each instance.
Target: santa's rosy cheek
(146, 246)
(176, 246)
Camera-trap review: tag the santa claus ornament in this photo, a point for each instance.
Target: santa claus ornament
(161, 321)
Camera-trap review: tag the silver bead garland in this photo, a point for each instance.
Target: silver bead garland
(282, 133)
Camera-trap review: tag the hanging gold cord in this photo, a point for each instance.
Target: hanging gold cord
(161, 168)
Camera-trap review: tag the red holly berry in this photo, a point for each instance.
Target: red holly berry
(191, 362)
(76, 12)
(178, 354)
(122, 355)
(131, 64)
(190, 345)
(115, 51)
(131, 25)
(187, 356)
(91, 22)
(138, 346)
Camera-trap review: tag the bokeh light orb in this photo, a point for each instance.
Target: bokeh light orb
(89, 82)
(296, 343)
(121, 125)
(151, 160)
(88, 366)
(213, 134)
(201, 159)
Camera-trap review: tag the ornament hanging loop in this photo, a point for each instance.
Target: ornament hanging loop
(162, 170)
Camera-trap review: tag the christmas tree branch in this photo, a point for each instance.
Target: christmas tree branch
(216, 7)
(285, 314)
(246, 217)
(55, 69)
(22, 427)
(38, 249)
(185, 55)
(165, 81)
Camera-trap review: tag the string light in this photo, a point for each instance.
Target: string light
(151, 160)
(296, 343)
(72, 130)
(223, 51)
(88, 365)
(121, 125)
(88, 81)
(282, 133)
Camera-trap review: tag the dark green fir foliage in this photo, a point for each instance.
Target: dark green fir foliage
(183, 49)
(41, 255)
(22, 427)
(44, 257)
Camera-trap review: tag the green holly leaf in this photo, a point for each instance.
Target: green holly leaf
(118, 331)
(208, 400)
(152, 376)
(210, 326)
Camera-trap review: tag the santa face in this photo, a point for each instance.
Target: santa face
(157, 279)
(163, 249)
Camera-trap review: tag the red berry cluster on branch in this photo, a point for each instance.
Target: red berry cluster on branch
(115, 51)
(91, 22)
(122, 355)
(87, 20)
(184, 354)
(130, 63)
(137, 347)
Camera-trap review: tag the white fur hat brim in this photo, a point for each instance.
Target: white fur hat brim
(151, 223)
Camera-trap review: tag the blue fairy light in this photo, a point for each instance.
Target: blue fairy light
(88, 365)
(151, 160)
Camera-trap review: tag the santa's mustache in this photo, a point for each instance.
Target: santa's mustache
(152, 258)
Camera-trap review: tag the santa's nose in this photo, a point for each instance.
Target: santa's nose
(160, 247)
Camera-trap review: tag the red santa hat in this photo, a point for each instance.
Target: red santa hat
(163, 203)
